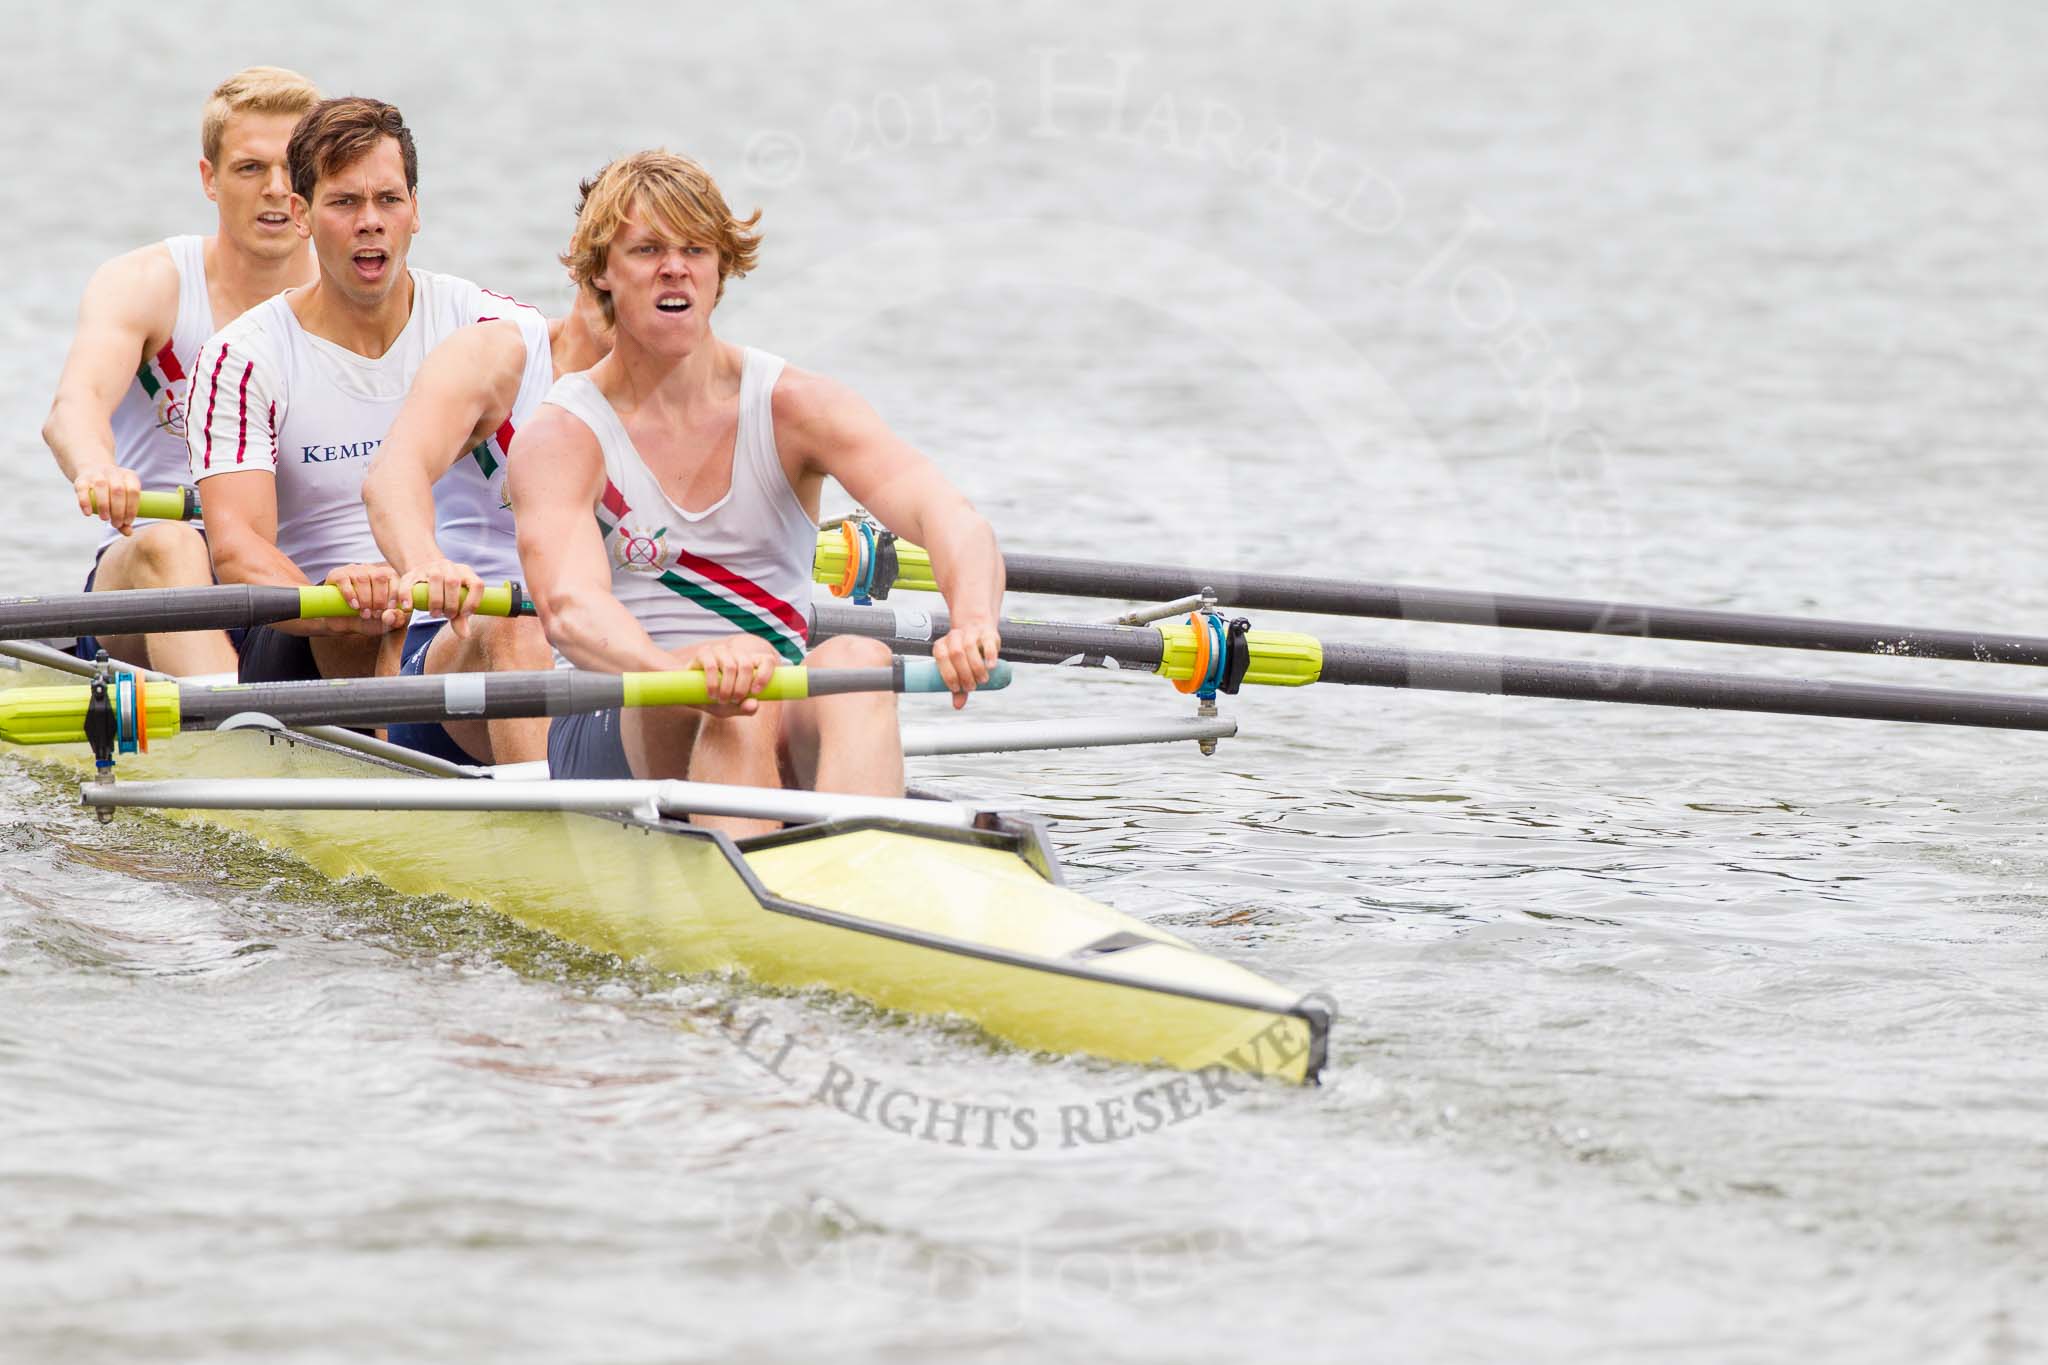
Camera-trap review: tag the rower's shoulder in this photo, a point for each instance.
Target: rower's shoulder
(261, 329)
(556, 427)
(150, 260)
(139, 283)
(472, 302)
(805, 399)
(488, 347)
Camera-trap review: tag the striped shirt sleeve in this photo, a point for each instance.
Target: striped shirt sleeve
(231, 421)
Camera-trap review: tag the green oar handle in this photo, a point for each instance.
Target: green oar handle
(162, 504)
(323, 602)
(688, 687)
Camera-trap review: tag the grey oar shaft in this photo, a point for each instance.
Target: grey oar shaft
(827, 682)
(1406, 602)
(911, 630)
(400, 701)
(1430, 670)
(459, 696)
(143, 611)
(1562, 680)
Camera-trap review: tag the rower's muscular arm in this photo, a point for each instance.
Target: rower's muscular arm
(240, 510)
(241, 531)
(460, 395)
(555, 474)
(462, 392)
(824, 428)
(127, 312)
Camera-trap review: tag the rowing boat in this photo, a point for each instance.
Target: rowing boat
(871, 900)
(922, 906)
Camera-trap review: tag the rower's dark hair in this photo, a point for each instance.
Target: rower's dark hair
(337, 133)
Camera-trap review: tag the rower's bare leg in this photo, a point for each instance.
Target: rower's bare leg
(663, 741)
(164, 554)
(848, 743)
(494, 646)
(659, 740)
(739, 751)
(357, 656)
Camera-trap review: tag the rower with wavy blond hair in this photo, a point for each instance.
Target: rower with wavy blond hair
(674, 193)
(667, 501)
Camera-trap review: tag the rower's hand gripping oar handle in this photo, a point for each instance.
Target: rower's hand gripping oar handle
(922, 675)
(688, 687)
(320, 602)
(161, 504)
(323, 602)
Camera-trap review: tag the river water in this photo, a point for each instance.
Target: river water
(1664, 1036)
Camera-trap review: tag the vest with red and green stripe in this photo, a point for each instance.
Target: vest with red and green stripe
(742, 564)
(149, 421)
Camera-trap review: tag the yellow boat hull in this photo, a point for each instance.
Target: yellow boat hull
(973, 924)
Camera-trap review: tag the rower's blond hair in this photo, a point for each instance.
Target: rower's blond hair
(252, 90)
(679, 199)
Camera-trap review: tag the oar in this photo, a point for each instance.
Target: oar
(61, 715)
(1286, 659)
(142, 611)
(841, 561)
(845, 560)
(163, 504)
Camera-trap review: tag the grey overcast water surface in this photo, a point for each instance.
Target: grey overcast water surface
(1665, 1035)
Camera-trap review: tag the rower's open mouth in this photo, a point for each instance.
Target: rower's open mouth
(370, 262)
(672, 303)
(276, 218)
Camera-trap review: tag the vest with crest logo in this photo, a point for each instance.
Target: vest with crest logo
(742, 564)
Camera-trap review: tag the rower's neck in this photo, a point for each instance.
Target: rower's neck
(641, 378)
(240, 280)
(327, 313)
(581, 339)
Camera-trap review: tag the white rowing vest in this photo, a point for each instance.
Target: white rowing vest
(149, 421)
(472, 512)
(268, 395)
(741, 564)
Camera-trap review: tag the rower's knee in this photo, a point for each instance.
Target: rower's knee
(493, 645)
(162, 555)
(741, 749)
(849, 651)
(515, 643)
